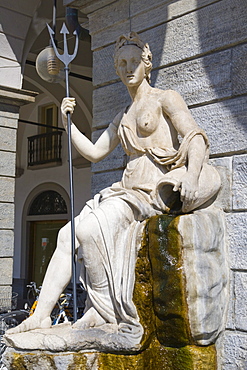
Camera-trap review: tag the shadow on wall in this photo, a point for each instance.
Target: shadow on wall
(201, 52)
(222, 29)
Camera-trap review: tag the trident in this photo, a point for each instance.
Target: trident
(66, 58)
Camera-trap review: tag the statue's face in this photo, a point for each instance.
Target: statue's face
(130, 67)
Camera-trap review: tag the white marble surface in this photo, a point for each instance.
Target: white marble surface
(206, 272)
(162, 175)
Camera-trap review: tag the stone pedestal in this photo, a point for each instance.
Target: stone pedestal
(181, 294)
(155, 357)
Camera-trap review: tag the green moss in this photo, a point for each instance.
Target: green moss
(18, 362)
(155, 356)
(160, 292)
(162, 358)
(79, 363)
(32, 361)
(185, 358)
(169, 293)
(143, 295)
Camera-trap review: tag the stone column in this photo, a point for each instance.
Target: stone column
(10, 101)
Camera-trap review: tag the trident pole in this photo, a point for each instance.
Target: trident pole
(71, 188)
(66, 58)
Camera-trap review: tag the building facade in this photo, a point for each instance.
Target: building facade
(199, 49)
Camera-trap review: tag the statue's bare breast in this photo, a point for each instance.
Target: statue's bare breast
(151, 125)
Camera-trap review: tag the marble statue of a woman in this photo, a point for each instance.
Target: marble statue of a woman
(162, 175)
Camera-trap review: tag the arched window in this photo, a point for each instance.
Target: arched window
(48, 202)
(46, 215)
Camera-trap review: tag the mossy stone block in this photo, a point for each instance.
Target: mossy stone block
(155, 356)
(169, 292)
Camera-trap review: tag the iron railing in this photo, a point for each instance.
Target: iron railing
(45, 148)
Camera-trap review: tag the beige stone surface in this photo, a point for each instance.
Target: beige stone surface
(7, 215)
(116, 160)
(236, 228)
(241, 296)
(7, 189)
(168, 39)
(175, 9)
(152, 13)
(7, 139)
(204, 79)
(224, 123)
(5, 290)
(108, 101)
(8, 118)
(108, 17)
(239, 79)
(224, 168)
(200, 80)
(6, 267)
(16, 96)
(6, 243)
(102, 180)
(7, 164)
(239, 185)
(230, 322)
(103, 59)
(87, 6)
(232, 347)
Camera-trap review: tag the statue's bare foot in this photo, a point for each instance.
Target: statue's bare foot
(91, 319)
(32, 322)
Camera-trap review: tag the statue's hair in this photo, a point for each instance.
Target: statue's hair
(133, 38)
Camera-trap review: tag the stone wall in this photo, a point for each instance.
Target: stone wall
(199, 49)
(10, 102)
(15, 19)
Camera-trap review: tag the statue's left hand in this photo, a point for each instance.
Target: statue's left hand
(188, 187)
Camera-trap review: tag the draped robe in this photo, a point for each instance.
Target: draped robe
(115, 222)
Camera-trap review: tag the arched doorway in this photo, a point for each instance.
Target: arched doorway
(46, 215)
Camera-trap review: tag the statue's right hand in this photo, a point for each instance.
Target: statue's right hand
(67, 106)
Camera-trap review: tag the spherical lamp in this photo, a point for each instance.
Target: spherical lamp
(49, 67)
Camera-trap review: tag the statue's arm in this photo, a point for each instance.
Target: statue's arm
(102, 147)
(176, 109)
